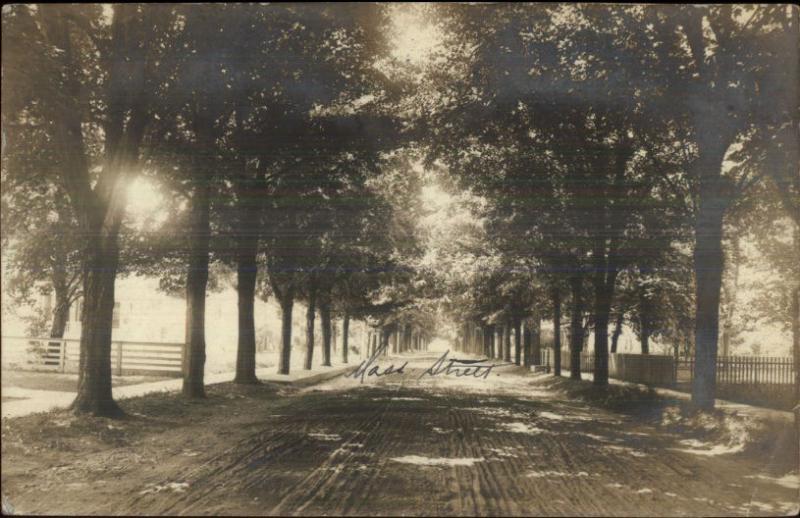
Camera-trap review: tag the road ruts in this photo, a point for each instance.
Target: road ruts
(398, 445)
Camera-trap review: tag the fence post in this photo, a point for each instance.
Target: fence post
(119, 358)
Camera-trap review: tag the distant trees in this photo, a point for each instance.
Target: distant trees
(393, 252)
(562, 166)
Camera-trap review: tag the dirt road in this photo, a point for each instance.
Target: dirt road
(394, 445)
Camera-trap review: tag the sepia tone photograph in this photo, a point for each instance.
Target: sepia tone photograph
(400, 259)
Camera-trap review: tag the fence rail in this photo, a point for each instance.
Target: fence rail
(744, 370)
(731, 370)
(63, 355)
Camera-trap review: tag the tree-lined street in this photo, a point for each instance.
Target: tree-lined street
(516, 225)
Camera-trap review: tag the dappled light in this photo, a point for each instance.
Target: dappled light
(145, 204)
(413, 34)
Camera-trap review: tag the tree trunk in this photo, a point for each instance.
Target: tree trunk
(99, 208)
(388, 336)
(310, 314)
(287, 305)
(645, 319)
(617, 332)
(345, 336)
(645, 339)
(248, 222)
(401, 333)
(576, 328)
(325, 317)
(536, 340)
(246, 292)
(492, 338)
(473, 339)
(507, 341)
(714, 197)
(557, 332)
(60, 313)
(518, 342)
(602, 310)
(501, 337)
(526, 346)
(708, 264)
(194, 356)
(94, 383)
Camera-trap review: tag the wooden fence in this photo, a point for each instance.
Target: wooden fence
(744, 370)
(63, 355)
(760, 380)
(651, 369)
(546, 359)
(662, 369)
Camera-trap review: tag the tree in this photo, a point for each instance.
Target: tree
(735, 88)
(39, 228)
(193, 118)
(69, 68)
